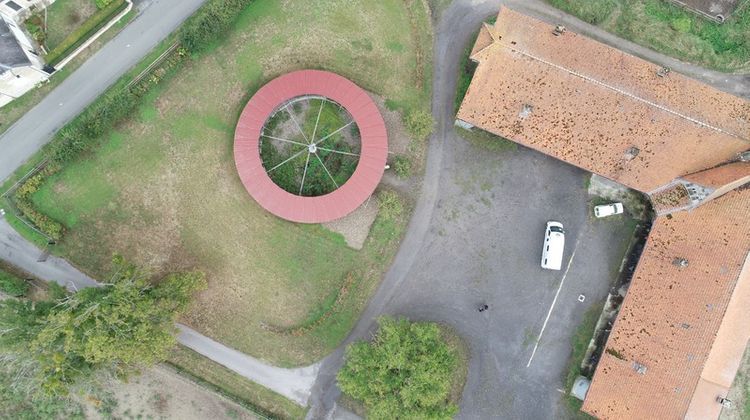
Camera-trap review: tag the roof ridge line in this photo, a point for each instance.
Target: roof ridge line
(623, 92)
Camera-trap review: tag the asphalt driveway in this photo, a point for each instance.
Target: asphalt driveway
(483, 245)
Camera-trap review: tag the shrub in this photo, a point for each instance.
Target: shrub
(419, 123)
(210, 22)
(12, 285)
(403, 166)
(390, 205)
(407, 369)
(85, 31)
(23, 194)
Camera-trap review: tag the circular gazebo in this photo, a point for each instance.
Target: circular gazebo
(277, 96)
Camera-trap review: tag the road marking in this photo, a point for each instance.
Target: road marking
(554, 301)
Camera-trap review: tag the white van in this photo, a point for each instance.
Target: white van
(554, 244)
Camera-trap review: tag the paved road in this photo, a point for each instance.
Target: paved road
(24, 255)
(156, 20)
(465, 246)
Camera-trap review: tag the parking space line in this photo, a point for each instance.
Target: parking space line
(554, 301)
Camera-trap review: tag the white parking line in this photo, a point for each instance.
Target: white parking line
(554, 301)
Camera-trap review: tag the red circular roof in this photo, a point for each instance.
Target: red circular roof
(348, 196)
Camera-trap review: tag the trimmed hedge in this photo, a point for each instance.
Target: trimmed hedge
(22, 197)
(210, 23)
(85, 31)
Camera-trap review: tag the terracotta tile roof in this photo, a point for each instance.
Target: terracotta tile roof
(682, 328)
(671, 317)
(598, 108)
(720, 176)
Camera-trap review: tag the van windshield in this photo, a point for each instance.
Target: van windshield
(555, 229)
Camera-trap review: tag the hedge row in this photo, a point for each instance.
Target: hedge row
(85, 31)
(83, 134)
(210, 23)
(22, 197)
(86, 131)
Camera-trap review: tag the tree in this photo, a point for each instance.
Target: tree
(119, 327)
(405, 372)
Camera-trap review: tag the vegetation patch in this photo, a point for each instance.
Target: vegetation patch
(310, 147)
(408, 368)
(672, 30)
(580, 343)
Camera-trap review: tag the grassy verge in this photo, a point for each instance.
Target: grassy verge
(465, 74)
(80, 35)
(461, 349)
(246, 393)
(11, 112)
(486, 140)
(64, 17)
(186, 207)
(672, 30)
(580, 342)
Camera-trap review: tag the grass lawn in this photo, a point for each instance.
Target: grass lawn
(163, 190)
(234, 386)
(65, 16)
(664, 27)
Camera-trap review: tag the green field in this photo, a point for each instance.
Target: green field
(664, 27)
(163, 191)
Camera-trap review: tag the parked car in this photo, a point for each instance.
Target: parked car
(554, 244)
(605, 210)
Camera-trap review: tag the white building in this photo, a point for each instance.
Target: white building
(21, 68)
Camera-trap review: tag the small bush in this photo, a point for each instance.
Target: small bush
(391, 206)
(419, 123)
(209, 23)
(403, 166)
(85, 31)
(12, 285)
